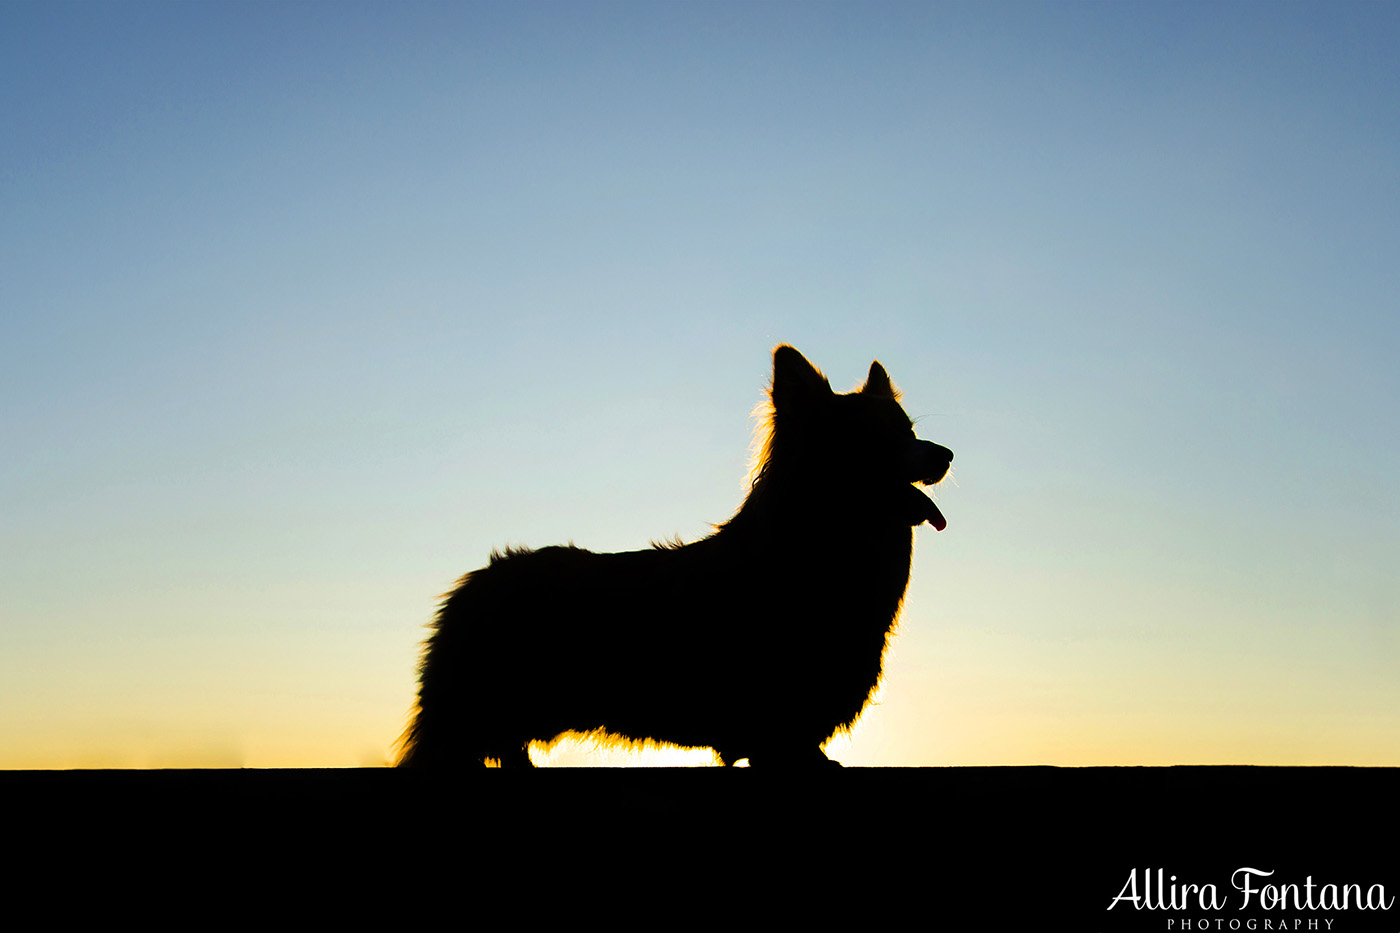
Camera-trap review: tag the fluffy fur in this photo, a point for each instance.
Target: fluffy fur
(760, 641)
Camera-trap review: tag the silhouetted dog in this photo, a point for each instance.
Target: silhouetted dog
(760, 641)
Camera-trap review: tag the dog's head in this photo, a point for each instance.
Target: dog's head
(864, 436)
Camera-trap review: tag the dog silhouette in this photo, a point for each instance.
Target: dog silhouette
(760, 641)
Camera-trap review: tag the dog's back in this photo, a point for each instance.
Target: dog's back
(759, 641)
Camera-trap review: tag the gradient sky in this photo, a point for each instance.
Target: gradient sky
(304, 308)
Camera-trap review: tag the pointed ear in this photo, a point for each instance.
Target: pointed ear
(796, 382)
(878, 383)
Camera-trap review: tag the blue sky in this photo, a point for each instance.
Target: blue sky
(307, 307)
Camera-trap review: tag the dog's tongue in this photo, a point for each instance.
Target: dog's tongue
(935, 517)
(922, 509)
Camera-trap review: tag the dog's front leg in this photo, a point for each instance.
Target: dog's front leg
(794, 759)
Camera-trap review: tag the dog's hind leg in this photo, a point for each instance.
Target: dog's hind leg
(516, 757)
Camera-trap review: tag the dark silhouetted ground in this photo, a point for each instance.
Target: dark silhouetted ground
(947, 848)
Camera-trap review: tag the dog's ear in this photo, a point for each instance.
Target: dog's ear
(796, 382)
(878, 383)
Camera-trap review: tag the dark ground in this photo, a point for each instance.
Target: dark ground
(952, 848)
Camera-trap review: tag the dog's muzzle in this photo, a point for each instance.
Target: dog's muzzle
(926, 463)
